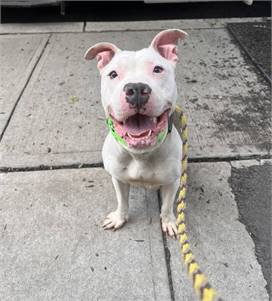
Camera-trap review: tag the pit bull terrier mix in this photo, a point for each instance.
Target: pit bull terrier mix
(139, 93)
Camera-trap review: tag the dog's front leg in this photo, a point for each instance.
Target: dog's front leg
(117, 218)
(168, 220)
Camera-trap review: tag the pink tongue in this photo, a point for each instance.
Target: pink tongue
(138, 124)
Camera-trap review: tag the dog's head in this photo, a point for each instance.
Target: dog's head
(138, 88)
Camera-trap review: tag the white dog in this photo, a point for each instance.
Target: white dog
(139, 93)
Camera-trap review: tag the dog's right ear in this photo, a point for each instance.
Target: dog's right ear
(103, 52)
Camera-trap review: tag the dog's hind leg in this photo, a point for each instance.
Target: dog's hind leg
(119, 217)
(168, 220)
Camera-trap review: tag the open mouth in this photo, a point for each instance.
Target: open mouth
(142, 131)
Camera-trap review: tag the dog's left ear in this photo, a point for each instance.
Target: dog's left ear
(166, 42)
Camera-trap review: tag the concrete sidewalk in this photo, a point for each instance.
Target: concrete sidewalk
(51, 206)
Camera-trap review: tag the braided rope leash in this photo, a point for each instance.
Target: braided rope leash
(200, 283)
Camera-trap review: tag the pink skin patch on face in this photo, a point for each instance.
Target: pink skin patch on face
(125, 107)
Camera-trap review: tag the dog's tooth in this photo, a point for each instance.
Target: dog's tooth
(149, 133)
(154, 119)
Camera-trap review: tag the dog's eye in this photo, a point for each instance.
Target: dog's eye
(158, 69)
(112, 74)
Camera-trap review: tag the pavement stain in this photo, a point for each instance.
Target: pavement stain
(250, 114)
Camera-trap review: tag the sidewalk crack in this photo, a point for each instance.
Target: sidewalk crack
(167, 258)
(24, 87)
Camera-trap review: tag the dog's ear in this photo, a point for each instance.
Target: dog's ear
(103, 52)
(166, 42)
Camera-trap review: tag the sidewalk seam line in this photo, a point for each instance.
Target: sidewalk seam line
(47, 167)
(6, 169)
(229, 159)
(150, 251)
(24, 88)
(84, 26)
(167, 255)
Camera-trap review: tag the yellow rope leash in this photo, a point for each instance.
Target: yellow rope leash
(200, 283)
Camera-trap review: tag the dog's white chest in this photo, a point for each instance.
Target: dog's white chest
(152, 170)
(140, 173)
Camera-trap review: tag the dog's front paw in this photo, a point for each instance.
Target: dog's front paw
(114, 221)
(169, 226)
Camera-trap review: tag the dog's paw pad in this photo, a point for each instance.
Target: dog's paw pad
(114, 221)
(170, 228)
